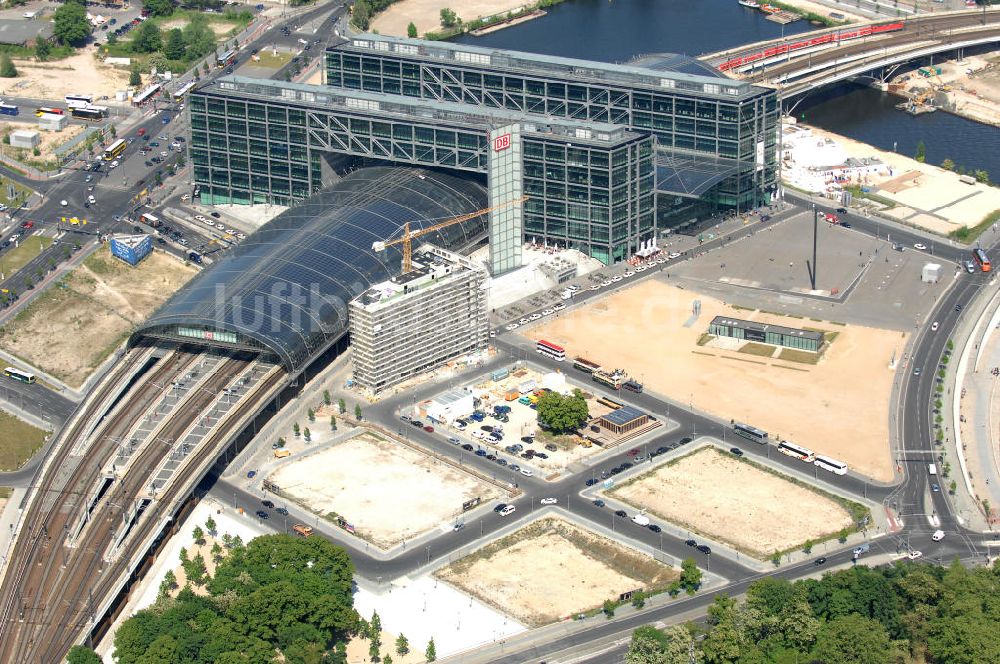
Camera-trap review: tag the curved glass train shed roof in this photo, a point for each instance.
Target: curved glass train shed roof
(285, 288)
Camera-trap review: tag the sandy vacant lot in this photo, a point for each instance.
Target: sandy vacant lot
(551, 569)
(67, 332)
(838, 407)
(426, 14)
(48, 140)
(731, 501)
(389, 492)
(53, 80)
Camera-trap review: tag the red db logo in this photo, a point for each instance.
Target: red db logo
(501, 142)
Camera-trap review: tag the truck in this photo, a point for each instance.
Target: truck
(632, 385)
(281, 454)
(931, 469)
(640, 520)
(302, 530)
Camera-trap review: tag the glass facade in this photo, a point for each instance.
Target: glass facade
(716, 117)
(285, 288)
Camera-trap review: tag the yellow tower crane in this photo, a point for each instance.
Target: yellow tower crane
(407, 238)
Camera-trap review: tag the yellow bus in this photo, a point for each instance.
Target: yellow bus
(115, 149)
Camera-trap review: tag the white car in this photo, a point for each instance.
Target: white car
(523, 321)
(548, 312)
(63, 202)
(673, 254)
(913, 555)
(164, 153)
(526, 472)
(512, 326)
(559, 307)
(535, 316)
(201, 217)
(573, 287)
(640, 268)
(605, 284)
(478, 434)
(113, 164)
(548, 501)
(208, 222)
(232, 231)
(241, 236)
(221, 227)
(938, 535)
(507, 510)
(919, 246)
(661, 261)
(616, 278)
(493, 333)
(596, 287)
(630, 273)
(934, 326)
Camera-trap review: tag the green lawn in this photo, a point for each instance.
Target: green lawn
(754, 348)
(13, 260)
(273, 61)
(18, 441)
(5, 492)
(21, 192)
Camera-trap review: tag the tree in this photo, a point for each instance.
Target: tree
(921, 155)
(7, 68)
(147, 38)
(198, 534)
(690, 575)
(326, 397)
(374, 636)
(357, 411)
(341, 406)
(296, 429)
(411, 30)
(307, 434)
(134, 77)
(448, 18)
(216, 552)
(808, 546)
(199, 38)
(560, 413)
(638, 599)
(402, 645)
(82, 655)
(159, 7)
(981, 176)
(169, 582)
(70, 24)
(311, 414)
(608, 608)
(651, 646)
(430, 654)
(175, 47)
(361, 14)
(853, 639)
(43, 49)
(948, 165)
(210, 525)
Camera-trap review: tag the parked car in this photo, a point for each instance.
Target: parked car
(262, 514)
(704, 549)
(599, 502)
(267, 503)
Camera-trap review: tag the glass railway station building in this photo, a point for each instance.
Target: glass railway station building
(606, 155)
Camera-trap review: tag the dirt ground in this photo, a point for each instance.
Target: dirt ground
(220, 28)
(848, 390)
(48, 140)
(824, 10)
(368, 479)
(721, 497)
(426, 14)
(552, 569)
(53, 80)
(67, 332)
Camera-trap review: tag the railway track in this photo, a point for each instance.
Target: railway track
(26, 600)
(76, 579)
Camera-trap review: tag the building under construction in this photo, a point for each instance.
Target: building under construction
(419, 320)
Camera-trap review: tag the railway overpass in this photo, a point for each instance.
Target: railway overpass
(811, 60)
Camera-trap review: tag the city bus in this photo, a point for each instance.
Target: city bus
(750, 433)
(981, 259)
(149, 220)
(79, 101)
(796, 451)
(9, 109)
(17, 374)
(42, 110)
(89, 113)
(226, 59)
(834, 466)
(585, 365)
(115, 149)
(557, 353)
(179, 95)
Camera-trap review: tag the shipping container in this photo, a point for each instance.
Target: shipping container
(499, 374)
(511, 395)
(527, 386)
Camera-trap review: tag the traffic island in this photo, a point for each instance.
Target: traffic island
(749, 507)
(552, 569)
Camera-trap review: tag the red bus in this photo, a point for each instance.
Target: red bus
(42, 110)
(557, 353)
(981, 259)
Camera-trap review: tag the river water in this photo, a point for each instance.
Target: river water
(618, 30)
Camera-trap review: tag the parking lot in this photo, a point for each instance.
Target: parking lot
(510, 436)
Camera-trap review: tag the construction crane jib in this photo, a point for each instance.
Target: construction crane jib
(407, 238)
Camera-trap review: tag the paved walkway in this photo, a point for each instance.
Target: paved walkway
(980, 412)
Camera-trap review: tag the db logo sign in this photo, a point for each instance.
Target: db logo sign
(501, 142)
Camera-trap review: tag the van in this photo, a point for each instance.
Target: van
(302, 530)
(507, 510)
(640, 520)
(281, 454)
(938, 535)
(864, 548)
(931, 469)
